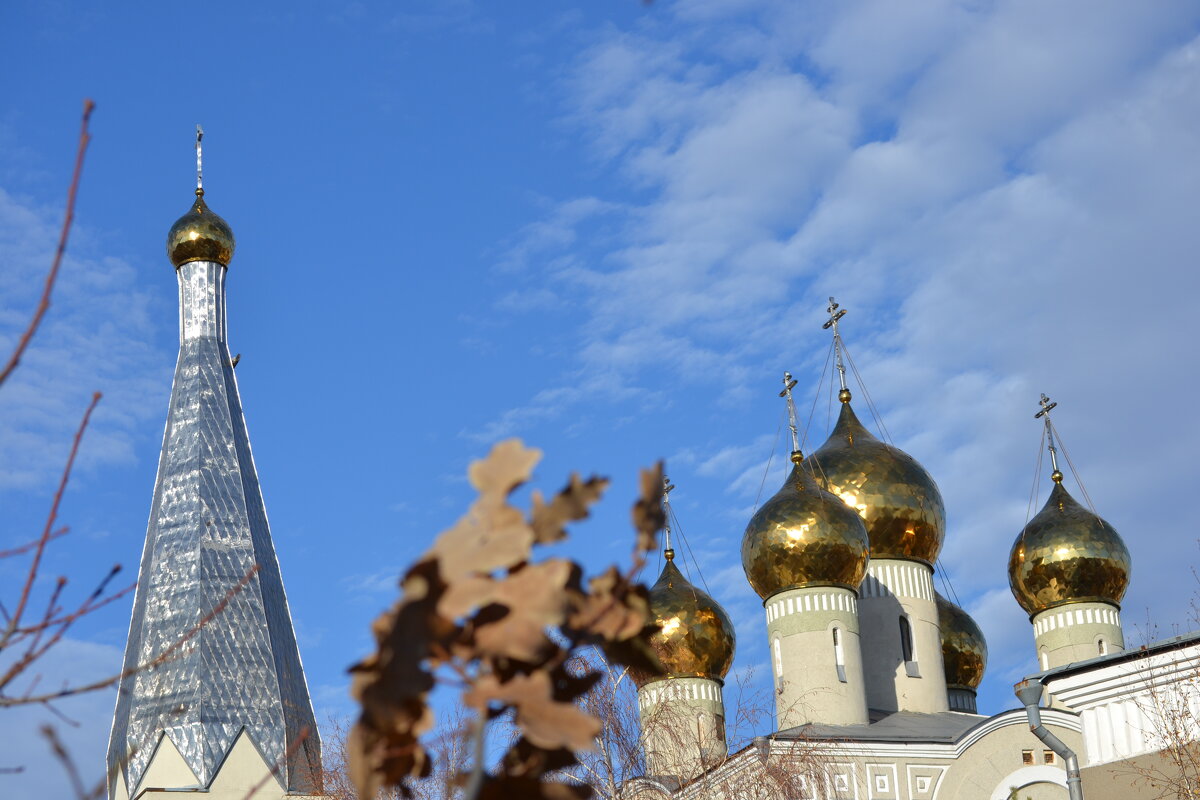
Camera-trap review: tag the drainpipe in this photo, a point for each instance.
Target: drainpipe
(1029, 692)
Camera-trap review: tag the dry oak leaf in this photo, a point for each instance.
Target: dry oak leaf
(648, 514)
(569, 505)
(534, 598)
(612, 610)
(492, 534)
(507, 466)
(543, 721)
(393, 682)
(508, 787)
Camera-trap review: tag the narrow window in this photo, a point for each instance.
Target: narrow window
(778, 665)
(839, 655)
(1048, 756)
(906, 648)
(1045, 660)
(1102, 646)
(1026, 756)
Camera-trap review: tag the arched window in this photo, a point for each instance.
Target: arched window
(1102, 646)
(906, 642)
(1045, 659)
(778, 665)
(839, 655)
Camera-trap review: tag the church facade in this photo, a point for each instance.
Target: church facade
(875, 672)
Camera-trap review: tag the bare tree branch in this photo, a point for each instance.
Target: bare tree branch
(52, 275)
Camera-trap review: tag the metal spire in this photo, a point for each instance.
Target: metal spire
(1044, 415)
(789, 383)
(199, 163)
(668, 551)
(832, 322)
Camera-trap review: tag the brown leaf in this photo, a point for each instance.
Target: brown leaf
(535, 600)
(505, 787)
(635, 653)
(507, 466)
(613, 608)
(648, 514)
(544, 722)
(525, 760)
(492, 534)
(569, 505)
(392, 684)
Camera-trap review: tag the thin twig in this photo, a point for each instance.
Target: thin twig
(15, 620)
(157, 661)
(64, 758)
(287, 754)
(52, 276)
(475, 782)
(25, 548)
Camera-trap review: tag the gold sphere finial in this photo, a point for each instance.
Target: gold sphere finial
(845, 396)
(797, 456)
(669, 554)
(200, 235)
(1056, 476)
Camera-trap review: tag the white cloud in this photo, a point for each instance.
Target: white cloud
(96, 337)
(82, 723)
(1003, 198)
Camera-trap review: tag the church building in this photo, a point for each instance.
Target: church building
(875, 673)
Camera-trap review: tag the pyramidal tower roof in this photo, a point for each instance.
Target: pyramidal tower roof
(231, 663)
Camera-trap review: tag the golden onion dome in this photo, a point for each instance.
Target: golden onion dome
(695, 637)
(804, 536)
(200, 235)
(897, 500)
(964, 650)
(1067, 554)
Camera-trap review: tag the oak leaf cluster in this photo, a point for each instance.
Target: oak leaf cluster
(479, 612)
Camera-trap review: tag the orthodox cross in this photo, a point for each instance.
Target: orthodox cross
(199, 164)
(789, 383)
(834, 315)
(669, 552)
(1044, 415)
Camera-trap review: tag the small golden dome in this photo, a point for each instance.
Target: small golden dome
(200, 235)
(1067, 554)
(804, 536)
(696, 638)
(895, 496)
(964, 650)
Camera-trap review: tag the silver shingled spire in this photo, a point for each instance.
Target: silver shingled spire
(209, 589)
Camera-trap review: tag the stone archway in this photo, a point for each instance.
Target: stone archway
(1036, 783)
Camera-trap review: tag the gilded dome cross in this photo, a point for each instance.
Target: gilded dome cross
(789, 383)
(1044, 415)
(199, 164)
(832, 322)
(668, 551)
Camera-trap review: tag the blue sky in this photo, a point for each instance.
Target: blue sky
(606, 229)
